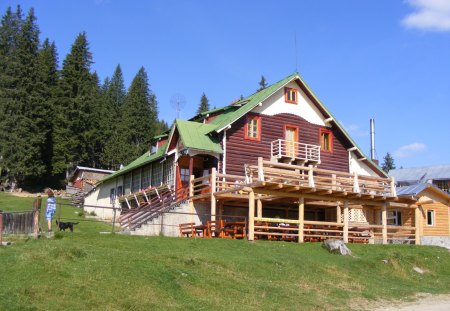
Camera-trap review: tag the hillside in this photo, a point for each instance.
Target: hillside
(91, 271)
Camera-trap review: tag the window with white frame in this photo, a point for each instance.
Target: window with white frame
(136, 183)
(127, 184)
(184, 174)
(168, 172)
(146, 175)
(157, 174)
(430, 217)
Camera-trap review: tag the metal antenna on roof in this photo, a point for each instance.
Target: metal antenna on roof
(296, 52)
(177, 101)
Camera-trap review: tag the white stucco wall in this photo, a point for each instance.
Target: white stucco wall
(276, 104)
(359, 167)
(100, 197)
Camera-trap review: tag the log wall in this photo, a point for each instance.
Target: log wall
(441, 220)
(241, 151)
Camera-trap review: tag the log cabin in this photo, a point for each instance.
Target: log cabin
(275, 165)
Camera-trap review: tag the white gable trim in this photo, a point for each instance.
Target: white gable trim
(276, 104)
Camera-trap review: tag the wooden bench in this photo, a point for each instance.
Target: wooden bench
(187, 230)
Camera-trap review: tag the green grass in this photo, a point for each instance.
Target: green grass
(91, 271)
(10, 202)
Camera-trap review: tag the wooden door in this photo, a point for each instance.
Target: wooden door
(291, 137)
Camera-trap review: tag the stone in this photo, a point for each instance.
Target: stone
(336, 246)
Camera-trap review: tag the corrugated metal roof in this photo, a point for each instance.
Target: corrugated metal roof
(194, 135)
(421, 173)
(412, 190)
(417, 189)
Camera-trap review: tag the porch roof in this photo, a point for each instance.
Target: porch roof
(142, 160)
(195, 135)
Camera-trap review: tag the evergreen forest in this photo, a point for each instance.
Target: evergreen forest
(57, 115)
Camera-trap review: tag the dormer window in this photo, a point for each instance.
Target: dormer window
(154, 147)
(290, 95)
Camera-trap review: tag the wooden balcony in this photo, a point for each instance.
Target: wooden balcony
(281, 149)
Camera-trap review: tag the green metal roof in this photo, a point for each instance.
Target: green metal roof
(251, 102)
(142, 160)
(194, 135)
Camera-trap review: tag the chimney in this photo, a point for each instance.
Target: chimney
(372, 141)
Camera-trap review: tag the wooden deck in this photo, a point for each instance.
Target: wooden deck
(299, 185)
(271, 184)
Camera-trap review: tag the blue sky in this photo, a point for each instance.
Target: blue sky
(386, 59)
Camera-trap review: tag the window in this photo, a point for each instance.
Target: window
(394, 218)
(184, 174)
(253, 128)
(119, 191)
(290, 95)
(127, 183)
(153, 147)
(430, 217)
(157, 175)
(146, 173)
(112, 195)
(168, 172)
(136, 181)
(326, 140)
(444, 185)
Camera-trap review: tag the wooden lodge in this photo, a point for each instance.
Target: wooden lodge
(275, 165)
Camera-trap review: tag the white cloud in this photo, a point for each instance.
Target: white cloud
(409, 150)
(431, 15)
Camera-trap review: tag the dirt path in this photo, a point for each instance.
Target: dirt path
(425, 302)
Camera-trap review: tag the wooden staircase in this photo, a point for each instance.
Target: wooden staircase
(140, 208)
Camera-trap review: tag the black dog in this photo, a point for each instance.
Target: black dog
(66, 225)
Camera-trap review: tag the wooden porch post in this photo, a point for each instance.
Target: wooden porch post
(417, 223)
(251, 216)
(338, 213)
(191, 194)
(191, 165)
(258, 208)
(301, 219)
(213, 191)
(345, 233)
(384, 222)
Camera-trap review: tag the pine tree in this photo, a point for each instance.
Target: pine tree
(388, 163)
(140, 113)
(77, 97)
(9, 32)
(48, 71)
(204, 104)
(23, 127)
(262, 84)
(115, 152)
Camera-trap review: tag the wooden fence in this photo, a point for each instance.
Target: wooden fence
(20, 222)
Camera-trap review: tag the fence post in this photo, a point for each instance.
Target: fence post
(1, 228)
(114, 219)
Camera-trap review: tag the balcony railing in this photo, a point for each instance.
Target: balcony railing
(295, 151)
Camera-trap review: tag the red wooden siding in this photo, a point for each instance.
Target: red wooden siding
(241, 151)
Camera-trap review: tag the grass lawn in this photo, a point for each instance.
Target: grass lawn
(9, 202)
(85, 270)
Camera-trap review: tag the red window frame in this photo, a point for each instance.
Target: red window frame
(288, 92)
(330, 143)
(258, 119)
